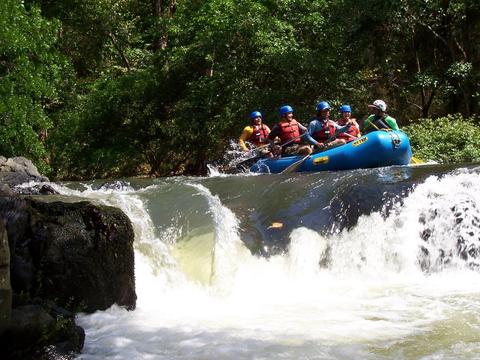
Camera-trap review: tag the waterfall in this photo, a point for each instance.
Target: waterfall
(397, 284)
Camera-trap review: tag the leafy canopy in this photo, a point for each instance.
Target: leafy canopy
(32, 73)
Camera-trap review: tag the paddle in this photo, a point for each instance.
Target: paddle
(293, 167)
(292, 140)
(256, 148)
(245, 164)
(415, 160)
(281, 145)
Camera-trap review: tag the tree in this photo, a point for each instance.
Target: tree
(33, 76)
(418, 53)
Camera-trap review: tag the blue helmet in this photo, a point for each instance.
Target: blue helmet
(322, 105)
(345, 108)
(255, 114)
(285, 109)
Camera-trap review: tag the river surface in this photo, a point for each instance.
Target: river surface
(365, 264)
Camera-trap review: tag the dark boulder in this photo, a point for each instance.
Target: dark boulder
(56, 256)
(37, 333)
(5, 288)
(79, 255)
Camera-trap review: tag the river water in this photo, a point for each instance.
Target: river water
(365, 264)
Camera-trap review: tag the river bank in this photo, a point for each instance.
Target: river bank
(58, 257)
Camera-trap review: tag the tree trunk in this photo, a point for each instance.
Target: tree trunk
(163, 9)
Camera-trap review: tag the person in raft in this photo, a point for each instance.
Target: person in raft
(290, 133)
(256, 134)
(379, 119)
(323, 132)
(346, 117)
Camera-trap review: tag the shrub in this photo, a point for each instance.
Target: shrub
(449, 139)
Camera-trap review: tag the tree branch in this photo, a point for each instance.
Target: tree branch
(119, 49)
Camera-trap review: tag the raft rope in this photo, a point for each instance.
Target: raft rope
(396, 141)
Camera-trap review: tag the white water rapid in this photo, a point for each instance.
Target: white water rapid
(368, 299)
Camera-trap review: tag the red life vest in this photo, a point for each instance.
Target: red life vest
(259, 135)
(353, 130)
(328, 132)
(288, 131)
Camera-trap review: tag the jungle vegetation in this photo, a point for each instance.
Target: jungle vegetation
(114, 88)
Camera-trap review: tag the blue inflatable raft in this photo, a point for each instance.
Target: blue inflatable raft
(375, 149)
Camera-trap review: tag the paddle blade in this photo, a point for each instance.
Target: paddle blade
(295, 166)
(415, 160)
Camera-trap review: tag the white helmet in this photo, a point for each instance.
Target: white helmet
(379, 104)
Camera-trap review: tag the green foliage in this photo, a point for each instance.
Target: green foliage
(449, 139)
(387, 45)
(31, 80)
(97, 34)
(111, 128)
(163, 85)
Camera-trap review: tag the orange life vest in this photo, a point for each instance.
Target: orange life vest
(328, 132)
(288, 131)
(353, 130)
(259, 135)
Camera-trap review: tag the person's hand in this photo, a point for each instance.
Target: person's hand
(276, 150)
(320, 145)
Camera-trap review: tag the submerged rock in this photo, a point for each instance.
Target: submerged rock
(35, 189)
(118, 185)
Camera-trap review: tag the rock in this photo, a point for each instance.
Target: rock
(36, 189)
(118, 185)
(87, 254)
(28, 326)
(5, 190)
(75, 256)
(47, 190)
(28, 323)
(18, 170)
(21, 164)
(5, 288)
(36, 334)
(79, 255)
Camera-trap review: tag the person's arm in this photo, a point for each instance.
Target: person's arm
(273, 134)
(341, 129)
(355, 123)
(392, 123)
(356, 126)
(246, 133)
(367, 126)
(310, 131)
(267, 130)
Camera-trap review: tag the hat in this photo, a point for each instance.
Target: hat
(345, 108)
(379, 104)
(255, 114)
(323, 105)
(285, 110)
